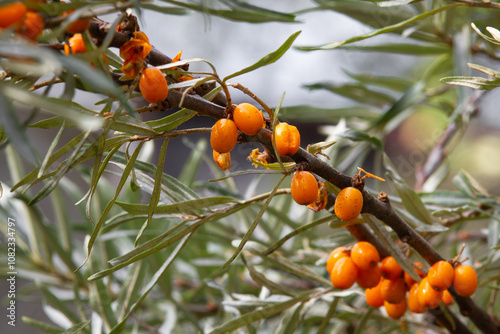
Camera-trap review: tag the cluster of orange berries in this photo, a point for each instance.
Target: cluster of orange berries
(25, 22)
(246, 118)
(386, 284)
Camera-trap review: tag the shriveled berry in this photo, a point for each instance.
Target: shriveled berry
(465, 280)
(153, 85)
(224, 135)
(395, 311)
(369, 278)
(304, 188)
(248, 118)
(344, 273)
(440, 275)
(393, 290)
(390, 268)
(12, 13)
(427, 296)
(223, 160)
(364, 255)
(374, 297)
(334, 256)
(413, 302)
(348, 204)
(287, 139)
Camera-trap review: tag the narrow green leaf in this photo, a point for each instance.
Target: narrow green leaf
(12, 127)
(329, 315)
(187, 207)
(355, 135)
(267, 59)
(261, 313)
(402, 48)
(472, 82)
(132, 125)
(155, 196)
(462, 184)
(398, 84)
(154, 280)
(413, 203)
(57, 304)
(357, 92)
(252, 228)
(275, 259)
(290, 321)
(170, 122)
(165, 10)
(190, 170)
(384, 30)
(306, 113)
(44, 327)
(262, 280)
(297, 231)
(489, 39)
(78, 328)
(107, 209)
(486, 70)
(51, 149)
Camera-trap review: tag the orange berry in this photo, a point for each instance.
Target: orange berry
(369, 278)
(440, 275)
(364, 255)
(153, 85)
(344, 273)
(287, 139)
(465, 280)
(224, 135)
(427, 296)
(248, 118)
(393, 290)
(334, 256)
(304, 188)
(408, 280)
(223, 160)
(78, 25)
(447, 298)
(348, 204)
(374, 297)
(413, 302)
(32, 27)
(390, 268)
(76, 43)
(12, 13)
(395, 311)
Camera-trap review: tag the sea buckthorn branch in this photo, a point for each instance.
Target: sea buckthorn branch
(381, 210)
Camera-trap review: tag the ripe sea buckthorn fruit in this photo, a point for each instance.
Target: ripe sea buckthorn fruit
(224, 135)
(393, 290)
(369, 278)
(76, 45)
(223, 160)
(374, 297)
(364, 255)
(348, 204)
(248, 118)
(395, 311)
(391, 268)
(447, 298)
(465, 280)
(78, 25)
(153, 85)
(344, 273)
(304, 188)
(12, 13)
(334, 256)
(32, 26)
(440, 275)
(287, 139)
(413, 302)
(427, 296)
(408, 280)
